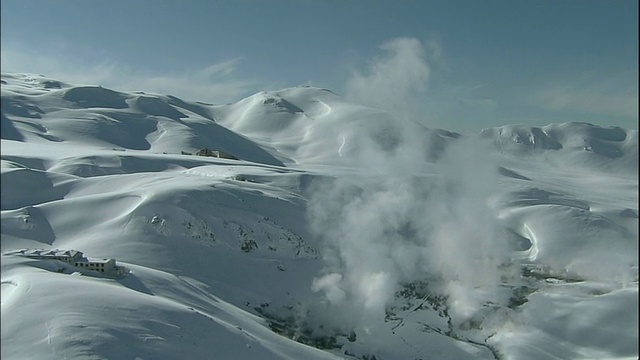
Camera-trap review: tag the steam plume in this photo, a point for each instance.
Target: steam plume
(401, 218)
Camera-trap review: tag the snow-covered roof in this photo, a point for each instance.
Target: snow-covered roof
(96, 261)
(52, 253)
(45, 253)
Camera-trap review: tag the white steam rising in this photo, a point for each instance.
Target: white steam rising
(401, 218)
(396, 81)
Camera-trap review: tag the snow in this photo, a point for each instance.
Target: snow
(340, 231)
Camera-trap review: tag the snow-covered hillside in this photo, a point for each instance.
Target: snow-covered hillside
(321, 229)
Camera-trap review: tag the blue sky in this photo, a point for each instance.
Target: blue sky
(453, 64)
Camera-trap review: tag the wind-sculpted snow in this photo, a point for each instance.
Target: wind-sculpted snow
(332, 230)
(97, 116)
(149, 314)
(579, 143)
(95, 97)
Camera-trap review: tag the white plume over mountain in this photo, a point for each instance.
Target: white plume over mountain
(319, 229)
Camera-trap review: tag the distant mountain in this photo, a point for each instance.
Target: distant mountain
(294, 224)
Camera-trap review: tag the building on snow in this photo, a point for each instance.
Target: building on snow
(75, 258)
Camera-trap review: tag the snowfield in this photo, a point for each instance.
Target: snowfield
(323, 229)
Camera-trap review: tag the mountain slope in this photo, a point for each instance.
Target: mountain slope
(331, 230)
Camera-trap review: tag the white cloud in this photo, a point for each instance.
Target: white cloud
(216, 83)
(211, 84)
(609, 98)
(223, 68)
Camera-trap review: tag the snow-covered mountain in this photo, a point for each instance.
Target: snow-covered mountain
(315, 228)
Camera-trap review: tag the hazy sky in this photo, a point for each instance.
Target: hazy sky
(476, 63)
